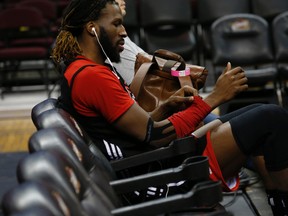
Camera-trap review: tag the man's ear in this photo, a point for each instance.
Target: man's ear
(92, 28)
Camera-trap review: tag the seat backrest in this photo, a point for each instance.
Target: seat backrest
(58, 140)
(21, 22)
(60, 118)
(170, 27)
(132, 14)
(269, 8)
(34, 198)
(47, 104)
(210, 10)
(280, 37)
(16, 17)
(45, 166)
(131, 20)
(48, 8)
(10, 3)
(175, 13)
(242, 39)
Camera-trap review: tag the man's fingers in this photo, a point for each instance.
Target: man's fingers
(242, 88)
(243, 80)
(236, 70)
(228, 67)
(188, 90)
(238, 76)
(180, 100)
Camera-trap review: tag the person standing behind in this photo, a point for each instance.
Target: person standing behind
(128, 57)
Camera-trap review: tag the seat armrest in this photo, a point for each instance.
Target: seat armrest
(193, 168)
(177, 147)
(203, 196)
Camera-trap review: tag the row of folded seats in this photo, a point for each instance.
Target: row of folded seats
(28, 29)
(186, 23)
(184, 26)
(248, 33)
(66, 174)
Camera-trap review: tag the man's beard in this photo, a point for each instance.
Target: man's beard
(108, 47)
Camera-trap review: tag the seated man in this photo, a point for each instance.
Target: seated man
(93, 92)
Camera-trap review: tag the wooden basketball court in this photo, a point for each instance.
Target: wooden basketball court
(15, 133)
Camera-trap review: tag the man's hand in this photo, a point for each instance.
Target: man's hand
(230, 83)
(180, 100)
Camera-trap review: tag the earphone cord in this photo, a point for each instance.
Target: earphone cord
(109, 61)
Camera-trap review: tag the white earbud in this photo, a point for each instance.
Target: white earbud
(94, 31)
